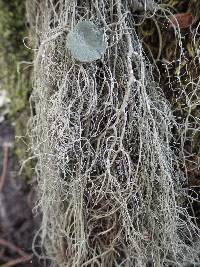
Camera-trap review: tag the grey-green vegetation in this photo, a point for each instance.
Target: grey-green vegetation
(110, 145)
(86, 42)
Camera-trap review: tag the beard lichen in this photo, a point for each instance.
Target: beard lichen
(108, 163)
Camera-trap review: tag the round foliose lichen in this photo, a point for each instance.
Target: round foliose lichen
(86, 42)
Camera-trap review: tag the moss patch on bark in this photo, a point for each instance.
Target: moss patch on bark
(15, 71)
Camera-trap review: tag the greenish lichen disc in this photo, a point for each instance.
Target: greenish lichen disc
(86, 42)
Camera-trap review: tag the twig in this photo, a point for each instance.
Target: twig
(18, 261)
(4, 258)
(13, 247)
(5, 166)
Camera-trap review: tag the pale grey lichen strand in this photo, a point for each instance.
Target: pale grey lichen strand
(142, 5)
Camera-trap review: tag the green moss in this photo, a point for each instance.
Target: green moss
(12, 52)
(14, 74)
